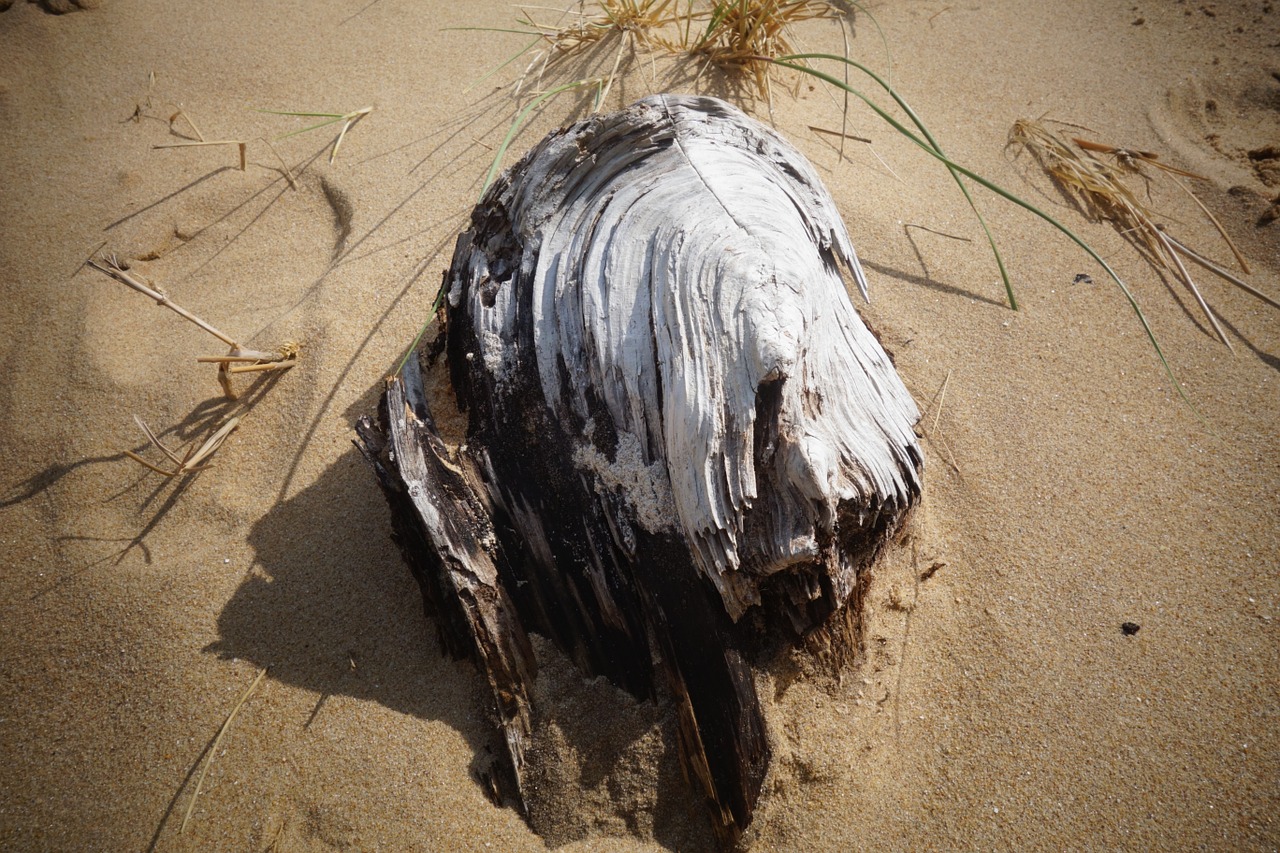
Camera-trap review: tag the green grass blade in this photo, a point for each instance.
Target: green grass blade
(924, 131)
(309, 129)
(1008, 196)
(717, 15)
(422, 331)
(490, 30)
(493, 169)
(333, 120)
(334, 116)
(519, 122)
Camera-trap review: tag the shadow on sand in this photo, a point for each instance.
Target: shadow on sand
(333, 609)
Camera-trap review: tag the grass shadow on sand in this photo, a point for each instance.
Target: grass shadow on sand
(928, 282)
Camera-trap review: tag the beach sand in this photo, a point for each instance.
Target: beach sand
(997, 703)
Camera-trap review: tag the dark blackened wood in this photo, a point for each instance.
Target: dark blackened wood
(722, 735)
(444, 528)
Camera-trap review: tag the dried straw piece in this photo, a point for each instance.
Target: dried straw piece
(742, 36)
(190, 463)
(739, 36)
(199, 140)
(1100, 188)
(1129, 159)
(282, 359)
(217, 742)
(242, 146)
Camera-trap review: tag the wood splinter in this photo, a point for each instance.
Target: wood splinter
(683, 445)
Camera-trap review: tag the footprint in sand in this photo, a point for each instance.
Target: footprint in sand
(58, 7)
(1226, 128)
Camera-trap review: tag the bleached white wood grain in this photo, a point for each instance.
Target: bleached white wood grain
(685, 264)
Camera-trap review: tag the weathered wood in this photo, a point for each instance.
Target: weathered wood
(675, 418)
(445, 531)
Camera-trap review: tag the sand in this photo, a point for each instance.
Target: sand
(998, 704)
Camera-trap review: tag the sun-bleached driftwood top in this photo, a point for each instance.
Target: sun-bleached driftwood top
(682, 266)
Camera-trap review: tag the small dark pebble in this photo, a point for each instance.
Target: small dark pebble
(1130, 628)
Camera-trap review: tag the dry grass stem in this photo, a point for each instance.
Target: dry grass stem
(113, 267)
(1099, 186)
(942, 398)
(258, 360)
(217, 742)
(1129, 157)
(1130, 160)
(139, 110)
(195, 458)
(182, 114)
(242, 146)
(742, 36)
(639, 18)
(1244, 265)
(636, 21)
(349, 120)
(283, 165)
(934, 434)
(275, 837)
(736, 36)
(1217, 270)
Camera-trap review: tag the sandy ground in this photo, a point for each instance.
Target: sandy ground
(1069, 489)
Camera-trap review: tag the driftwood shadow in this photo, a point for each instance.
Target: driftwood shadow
(330, 589)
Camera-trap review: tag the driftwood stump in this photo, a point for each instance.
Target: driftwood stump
(680, 434)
